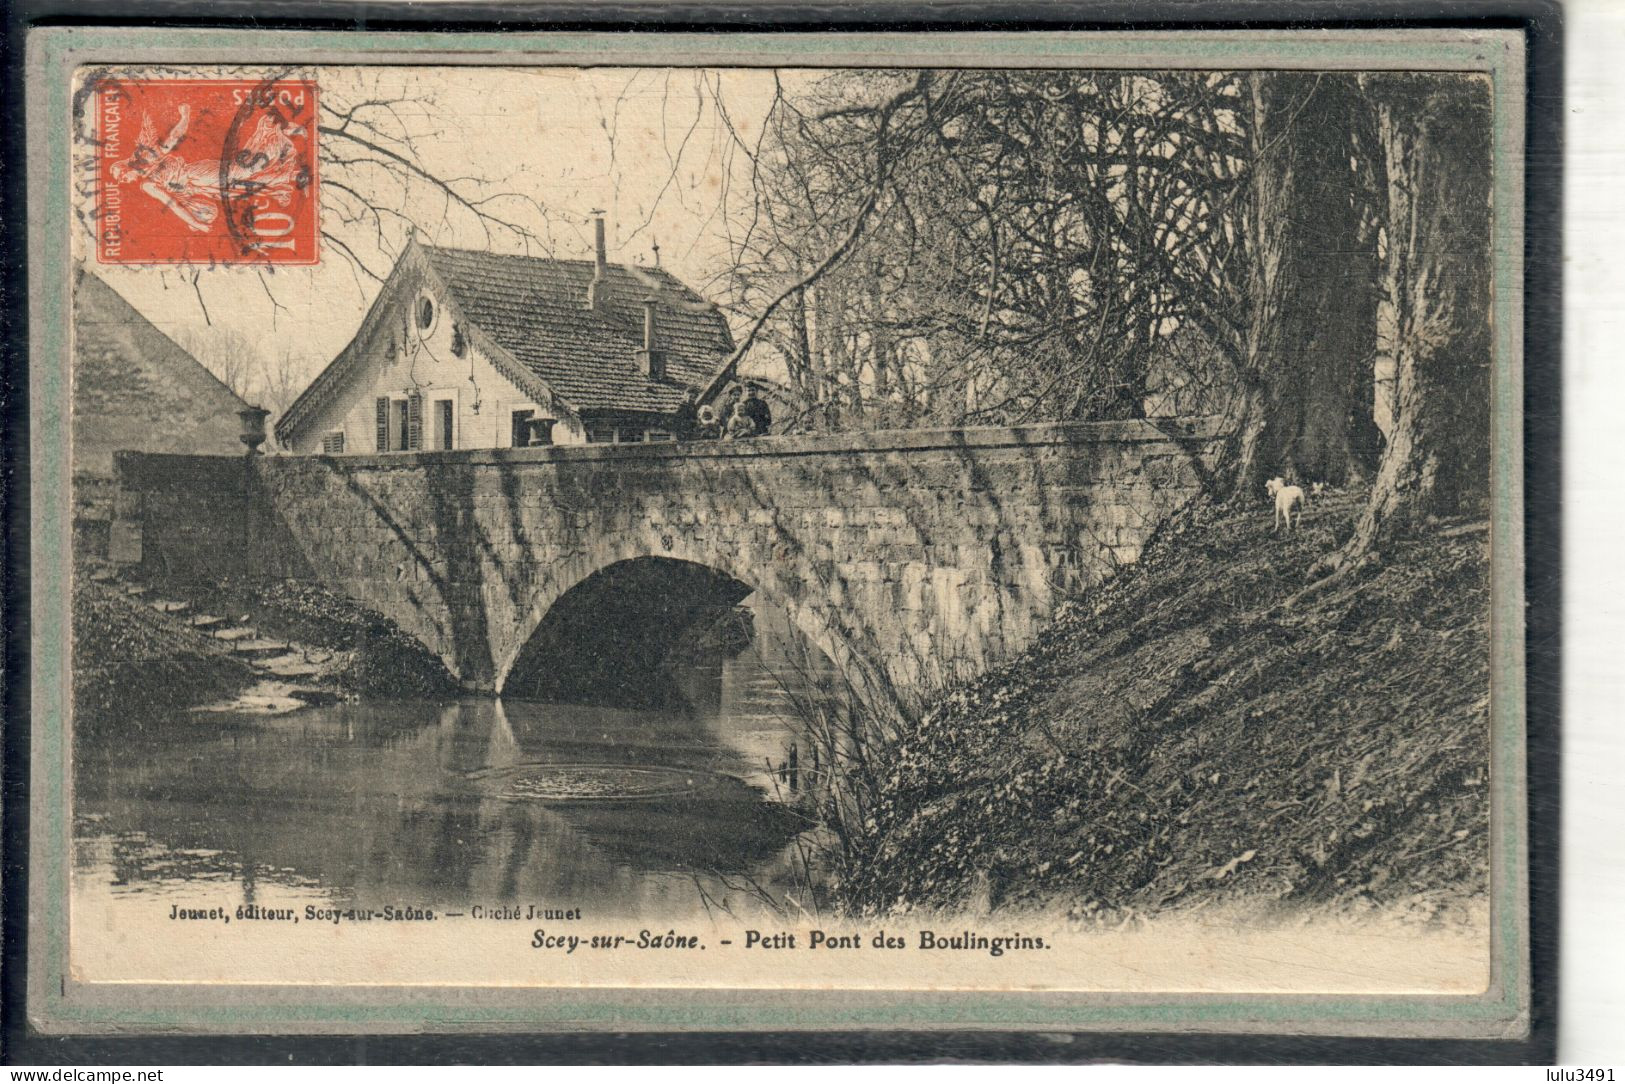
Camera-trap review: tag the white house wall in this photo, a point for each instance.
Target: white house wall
(483, 406)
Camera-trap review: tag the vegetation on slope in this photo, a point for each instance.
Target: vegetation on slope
(375, 657)
(1182, 735)
(131, 663)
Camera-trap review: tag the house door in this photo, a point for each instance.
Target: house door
(444, 436)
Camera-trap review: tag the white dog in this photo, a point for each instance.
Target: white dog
(1286, 497)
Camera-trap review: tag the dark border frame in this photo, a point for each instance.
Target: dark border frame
(1542, 22)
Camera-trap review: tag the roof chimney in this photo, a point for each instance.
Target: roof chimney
(654, 359)
(597, 295)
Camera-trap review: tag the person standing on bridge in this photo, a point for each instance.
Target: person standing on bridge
(686, 419)
(756, 411)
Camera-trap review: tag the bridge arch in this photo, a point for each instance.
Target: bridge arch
(775, 583)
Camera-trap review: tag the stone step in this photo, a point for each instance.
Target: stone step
(166, 606)
(259, 648)
(103, 575)
(236, 632)
(134, 590)
(295, 669)
(205, 621)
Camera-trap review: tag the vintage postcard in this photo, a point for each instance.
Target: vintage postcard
(684, 532)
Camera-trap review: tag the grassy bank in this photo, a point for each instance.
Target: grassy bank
(1179, 738)
(132, 663)
(373, 657)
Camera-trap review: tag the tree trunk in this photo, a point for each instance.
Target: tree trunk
(1253, 443)
(1311, 296)
(1337, 439)
(800, 364)
(1434, 136)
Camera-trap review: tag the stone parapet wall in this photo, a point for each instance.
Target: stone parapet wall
(910, 557)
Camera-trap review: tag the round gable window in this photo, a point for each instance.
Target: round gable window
(425, 313)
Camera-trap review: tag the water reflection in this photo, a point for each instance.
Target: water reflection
(448, 804)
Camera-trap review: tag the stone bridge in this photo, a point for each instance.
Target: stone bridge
(909, 557)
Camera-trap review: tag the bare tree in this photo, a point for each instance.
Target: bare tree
(284, 376)
(1337, 439)
(272, 381)
(1043, 240)
(232, 357)
(1019, 261)
(379, 190)
(1434, 138)
(1304, 310)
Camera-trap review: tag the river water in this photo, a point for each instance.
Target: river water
(479, 802)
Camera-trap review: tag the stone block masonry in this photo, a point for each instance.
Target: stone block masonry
(909, 557)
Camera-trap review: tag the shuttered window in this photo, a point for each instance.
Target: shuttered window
(383, 423)
(333, 443)
(414, 422)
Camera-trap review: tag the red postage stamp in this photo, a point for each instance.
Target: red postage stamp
(206, 171)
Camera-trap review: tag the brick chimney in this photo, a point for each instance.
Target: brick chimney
(597, 290)
(653, 358)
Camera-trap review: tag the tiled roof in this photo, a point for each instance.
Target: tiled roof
(536, 310)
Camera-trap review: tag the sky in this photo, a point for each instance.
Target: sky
(656, 149)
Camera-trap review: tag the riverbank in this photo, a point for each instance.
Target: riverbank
(371, 657)
(1181, 740)
(133, 663)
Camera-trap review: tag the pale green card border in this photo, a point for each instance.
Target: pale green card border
(58, 1004)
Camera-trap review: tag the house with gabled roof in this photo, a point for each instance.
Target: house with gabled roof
(473, 349)
(134, 389)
